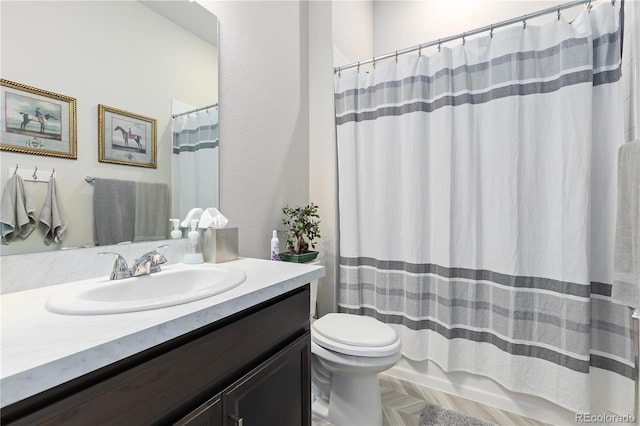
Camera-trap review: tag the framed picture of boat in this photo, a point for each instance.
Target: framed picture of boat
(37, 121)
(126, 138)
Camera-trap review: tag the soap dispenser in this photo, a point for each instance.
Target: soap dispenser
(176, 233)
(193, 254)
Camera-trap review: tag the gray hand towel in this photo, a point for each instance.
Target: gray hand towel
(152, 211)
(17, 213)
(52, 215)
(114, 207)
(626, 284)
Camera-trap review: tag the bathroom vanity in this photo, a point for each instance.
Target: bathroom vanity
(242, 356)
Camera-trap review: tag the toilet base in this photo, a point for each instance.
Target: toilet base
(354, 401)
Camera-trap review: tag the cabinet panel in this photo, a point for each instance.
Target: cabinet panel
(278, 392)
(208, 414)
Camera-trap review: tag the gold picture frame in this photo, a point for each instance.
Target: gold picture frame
(37, 121)
(126, 138)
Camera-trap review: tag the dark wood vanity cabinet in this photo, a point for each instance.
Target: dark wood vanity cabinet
(268, 395)
(252, 368)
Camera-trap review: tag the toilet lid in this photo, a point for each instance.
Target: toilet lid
(355, 330)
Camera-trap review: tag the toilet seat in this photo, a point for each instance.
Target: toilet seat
(355, 335)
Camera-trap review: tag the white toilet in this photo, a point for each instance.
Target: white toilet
(348, 351)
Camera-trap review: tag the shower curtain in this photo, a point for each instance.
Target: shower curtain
(194, 163)
(477, 191)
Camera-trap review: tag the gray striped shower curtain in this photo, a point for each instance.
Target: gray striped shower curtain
(477, 194)
(194, 162)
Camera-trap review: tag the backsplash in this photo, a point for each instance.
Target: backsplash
(27, 271)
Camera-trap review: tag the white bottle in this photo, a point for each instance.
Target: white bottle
(176, 233)
(193, 254)
(275, 246)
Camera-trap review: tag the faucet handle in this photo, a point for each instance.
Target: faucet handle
(149, 262)
(156, 257)
(120, 267)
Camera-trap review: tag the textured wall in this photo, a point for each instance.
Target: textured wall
(264, 115)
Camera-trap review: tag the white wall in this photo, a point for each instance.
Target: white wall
(322, 152)
(120, 54)
(264, 115)
(353, 29)
(401, 24)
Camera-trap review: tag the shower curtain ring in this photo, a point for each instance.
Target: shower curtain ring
(420, 51)
(524, 22)
(464, 38)
(358, 68)
(589, 7)
(558, 14)
(439, 45)
(396, 56)
(35, 175)
(491, 31)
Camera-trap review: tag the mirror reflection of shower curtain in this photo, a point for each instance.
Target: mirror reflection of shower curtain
(194, 162)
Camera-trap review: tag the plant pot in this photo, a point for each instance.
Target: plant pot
(298, 258)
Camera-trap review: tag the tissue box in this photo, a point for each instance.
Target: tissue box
(220, 244)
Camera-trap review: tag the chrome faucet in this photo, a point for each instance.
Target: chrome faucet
(148, 263)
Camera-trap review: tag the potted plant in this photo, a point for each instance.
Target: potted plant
(300, 222)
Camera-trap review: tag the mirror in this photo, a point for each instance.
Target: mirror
(140, 57)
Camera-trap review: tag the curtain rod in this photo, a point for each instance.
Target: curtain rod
(463, 35)
(194, 110)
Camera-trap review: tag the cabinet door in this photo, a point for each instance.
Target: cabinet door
(208, 414)
(277, 392)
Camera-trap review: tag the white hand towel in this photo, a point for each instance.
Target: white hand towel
(52, 215)
(626, 284)
(16, 211)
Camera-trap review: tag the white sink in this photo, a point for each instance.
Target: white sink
(174, 285)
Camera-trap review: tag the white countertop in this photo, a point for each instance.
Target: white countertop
(40, 349)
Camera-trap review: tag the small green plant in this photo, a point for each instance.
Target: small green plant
(298, 222)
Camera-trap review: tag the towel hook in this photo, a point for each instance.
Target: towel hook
(16, 170)
(54, 170)
(35, 175)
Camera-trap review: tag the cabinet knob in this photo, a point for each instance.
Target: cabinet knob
(237, 420)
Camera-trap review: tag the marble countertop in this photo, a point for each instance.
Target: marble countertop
(40, 349)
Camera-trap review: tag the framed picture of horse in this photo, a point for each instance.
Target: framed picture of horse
(37, 121)
(126, 138)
